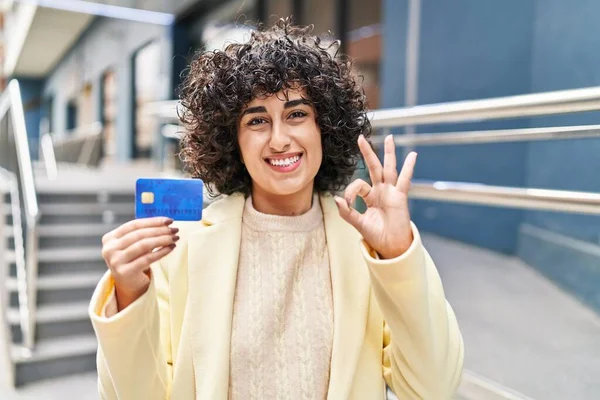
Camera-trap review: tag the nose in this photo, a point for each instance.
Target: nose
(280, 138)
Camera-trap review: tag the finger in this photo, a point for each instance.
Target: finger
(140, 234)
(390, 174)
(141, 248)
(348, 213)
(406, 173)
(134, 225)
(358, 188)
(371, 161)
(143, 263)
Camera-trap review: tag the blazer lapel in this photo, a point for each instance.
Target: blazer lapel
(212, 261)
(351, 287)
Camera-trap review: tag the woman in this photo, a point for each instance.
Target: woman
(281, 291)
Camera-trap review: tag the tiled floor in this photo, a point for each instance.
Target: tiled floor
(519, 330)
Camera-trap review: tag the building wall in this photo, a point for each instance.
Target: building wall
(471, 49)
(31, 96)
(468, 49)
(108, 44)
(565, 247)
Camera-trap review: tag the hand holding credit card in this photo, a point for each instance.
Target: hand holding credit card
(178, 199)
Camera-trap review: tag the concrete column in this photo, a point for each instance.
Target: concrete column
(125, 113)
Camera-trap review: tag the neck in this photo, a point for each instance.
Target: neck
(284, 205)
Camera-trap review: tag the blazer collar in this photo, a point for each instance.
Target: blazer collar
(227, 208)
(351, 287)
(213, 254)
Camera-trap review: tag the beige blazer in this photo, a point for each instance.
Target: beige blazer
(392, 323)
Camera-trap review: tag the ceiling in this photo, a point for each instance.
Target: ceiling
(57, 24)
(51, 35)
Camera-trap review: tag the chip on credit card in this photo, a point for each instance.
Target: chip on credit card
(178, 199)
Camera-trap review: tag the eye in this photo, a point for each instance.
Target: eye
(256, 121)
(298, 114)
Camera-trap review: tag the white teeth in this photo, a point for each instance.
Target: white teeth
(285, 162)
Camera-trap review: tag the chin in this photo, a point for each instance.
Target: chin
(285, 191)
(288, 188)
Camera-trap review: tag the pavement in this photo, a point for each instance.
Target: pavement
(520, 331)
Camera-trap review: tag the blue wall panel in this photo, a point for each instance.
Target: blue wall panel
(565, 56)
(469, 49)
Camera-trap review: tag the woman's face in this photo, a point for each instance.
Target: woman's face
(280, 143)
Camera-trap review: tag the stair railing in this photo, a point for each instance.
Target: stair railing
(547, 103)
(5, 331)
(80, 146)
(15, 160)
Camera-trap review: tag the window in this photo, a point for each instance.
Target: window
(146, 73)
(71, 115)
(364, 44)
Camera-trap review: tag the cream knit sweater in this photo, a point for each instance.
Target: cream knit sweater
(282, 328)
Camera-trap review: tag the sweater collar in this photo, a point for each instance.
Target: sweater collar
(306, 222)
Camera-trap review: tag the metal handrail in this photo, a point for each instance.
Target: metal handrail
(48, 156)
(91, 129)
(167, 110)
(527, 105)
(501, 196)
(494, 136)
(10, 100)
(89, 134)
(172, 131)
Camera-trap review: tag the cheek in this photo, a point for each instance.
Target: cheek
(245, 146)
(317, 149)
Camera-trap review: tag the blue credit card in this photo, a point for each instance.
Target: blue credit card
(179, 199)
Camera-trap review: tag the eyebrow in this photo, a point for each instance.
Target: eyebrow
(262, 109)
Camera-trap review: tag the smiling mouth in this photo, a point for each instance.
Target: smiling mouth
(284, 162)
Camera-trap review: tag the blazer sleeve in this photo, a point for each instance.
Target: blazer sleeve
(134, 358)
(423, 347)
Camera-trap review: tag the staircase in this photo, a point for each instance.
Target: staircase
(76, 210)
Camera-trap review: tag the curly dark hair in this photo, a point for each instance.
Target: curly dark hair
(219, 84)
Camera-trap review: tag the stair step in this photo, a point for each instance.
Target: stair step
(62, 255)
(86, 229)
(53, 313)
(86, 183)
(62, 281)
(70, 254)
(5, 209)
(8, 231)
(10, 257)
(87, 208)
(55, 348)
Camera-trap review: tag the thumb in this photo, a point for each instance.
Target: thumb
(348, 213)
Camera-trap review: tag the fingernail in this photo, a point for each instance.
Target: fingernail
(175, 238)
(173, 246)
(174, 230)
(168, 221)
